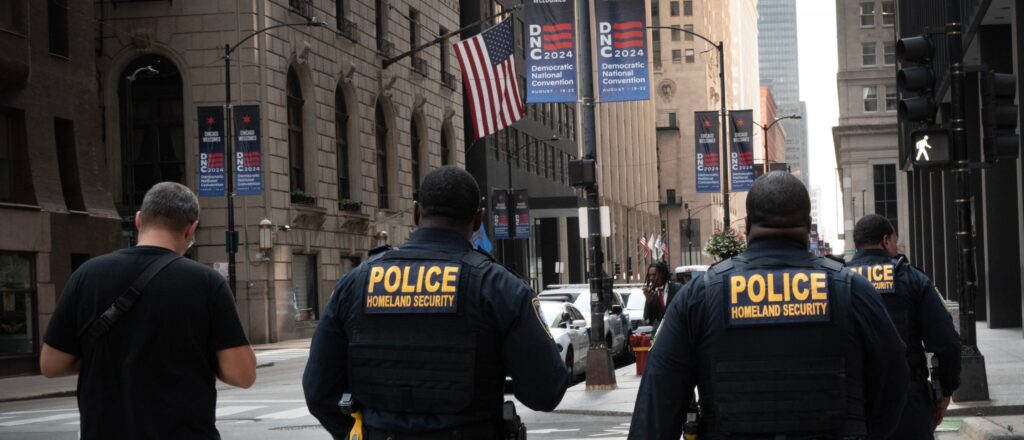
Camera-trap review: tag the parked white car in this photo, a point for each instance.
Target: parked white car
(570, 331)
(616, 321)
(635, 300)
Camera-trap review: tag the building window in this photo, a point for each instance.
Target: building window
(447, 79)
(381, 126)
(690, 56)
(673, 8)
(381, 17)
(414, 28)
(15, 179)
(341, 120)
(867, 14)
(339, 14)
(446, 149)
(655, 8)
(656, 46)
(677, 56)
(57, 17)
(889, 53)
(296, 156)
(867, 51)
(305, 294)
(414, 154)
(890, 98)
(676, 33)
(688, 8)
(870, 99)
(885, 193)
(17, 308)
(12, 15)
(888, 13)
(688, 36)
(67, 163)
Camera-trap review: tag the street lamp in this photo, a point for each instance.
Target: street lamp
(231, 236)
(764, 135)
(512, 225)
(629, 258)
(722, 150)
(129, 151)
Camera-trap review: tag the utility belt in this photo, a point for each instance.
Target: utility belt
(482, 431)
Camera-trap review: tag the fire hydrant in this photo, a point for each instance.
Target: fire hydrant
(641, 347)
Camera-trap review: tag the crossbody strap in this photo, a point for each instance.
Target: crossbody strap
(103, 323)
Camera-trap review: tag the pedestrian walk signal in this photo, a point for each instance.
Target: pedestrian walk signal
(931, 148)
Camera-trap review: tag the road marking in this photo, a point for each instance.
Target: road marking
(77, 422)
(611, 432)
(289, 414)
(37, 411)
(39, 419)
(261, 401)
(549, 431)
(231, 410)
(282, 354)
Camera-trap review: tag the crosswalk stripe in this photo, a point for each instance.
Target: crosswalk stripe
(288, 414)
(74, 423)
(231, 410)
(39, 419)
(38, 411)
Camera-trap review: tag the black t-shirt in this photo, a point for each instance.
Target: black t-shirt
(153, 375)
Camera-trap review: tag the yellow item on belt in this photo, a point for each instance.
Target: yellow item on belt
(357, 429)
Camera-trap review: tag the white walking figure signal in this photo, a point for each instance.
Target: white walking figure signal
(922, 147)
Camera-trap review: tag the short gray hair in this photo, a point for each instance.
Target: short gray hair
(170, 205)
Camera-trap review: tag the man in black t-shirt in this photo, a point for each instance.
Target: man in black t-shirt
(153, 374)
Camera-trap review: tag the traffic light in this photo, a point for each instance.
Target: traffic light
(916, 79)
(999, 116)
(618, 269)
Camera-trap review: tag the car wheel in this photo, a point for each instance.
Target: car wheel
(569, 362)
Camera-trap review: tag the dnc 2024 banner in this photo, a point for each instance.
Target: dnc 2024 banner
(622, 73)
(741, 156)
(708, 152)
(551, 51)
(248, 162)
(211, 151)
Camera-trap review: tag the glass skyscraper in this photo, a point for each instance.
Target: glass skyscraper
(780, 70)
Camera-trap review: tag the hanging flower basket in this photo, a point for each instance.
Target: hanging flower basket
(725, 244)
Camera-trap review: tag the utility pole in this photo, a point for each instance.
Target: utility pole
(600, 372)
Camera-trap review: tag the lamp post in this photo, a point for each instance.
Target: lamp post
(764, 135)
(723, 150)
(231, 235)
(129, 150)
(629, 258)
(512, 225)
(689, 228)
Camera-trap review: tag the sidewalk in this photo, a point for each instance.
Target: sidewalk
(38, 387)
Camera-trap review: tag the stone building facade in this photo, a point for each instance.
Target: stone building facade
(344, 140)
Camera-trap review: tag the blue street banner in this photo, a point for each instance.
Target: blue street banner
(248, 161)
(622, 50)
(551, 51)
(500, 210)
(741, 149)
(211, 151)
(708, 152)
(522, 211)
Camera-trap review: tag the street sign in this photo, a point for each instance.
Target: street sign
(931, 147)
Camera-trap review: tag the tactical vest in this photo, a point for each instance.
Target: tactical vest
(899, 301)
(777, 361)
(421, 340)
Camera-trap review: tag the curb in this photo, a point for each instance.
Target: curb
(74, 391)
(980, 428)
(588, 412)
(981, 411)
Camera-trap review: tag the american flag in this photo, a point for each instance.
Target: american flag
(489, 74)
(643, 245)
(664, 251)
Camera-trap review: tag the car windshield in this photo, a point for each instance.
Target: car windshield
(551, 312)
(635, 302)
(583, 304)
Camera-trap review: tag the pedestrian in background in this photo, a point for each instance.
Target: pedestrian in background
(922, 320)
(659, 291)
(148, 332)
(780, 344)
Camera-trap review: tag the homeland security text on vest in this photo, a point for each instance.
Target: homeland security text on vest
(412, 288)
(778, 297)
(880, 276)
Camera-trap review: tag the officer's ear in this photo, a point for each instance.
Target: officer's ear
(746, 226)
(478, 219)
(416, 213)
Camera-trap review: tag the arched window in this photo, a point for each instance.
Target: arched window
(414, 153)
(296, 160)
(341, 143)
(381, 126)
(446, 150)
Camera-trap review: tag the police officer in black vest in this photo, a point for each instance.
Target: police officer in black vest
(921, 319)
(779, 343)
(424, 336)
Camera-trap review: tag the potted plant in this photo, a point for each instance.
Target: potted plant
(299, 196)
(725, 244)
(349, 205)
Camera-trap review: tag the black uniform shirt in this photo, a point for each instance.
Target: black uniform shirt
(929, 321)
(671, 372)
(529, 355)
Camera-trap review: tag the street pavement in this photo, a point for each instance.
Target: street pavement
(274, 408)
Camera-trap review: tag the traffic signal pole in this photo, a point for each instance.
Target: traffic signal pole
(974, 381)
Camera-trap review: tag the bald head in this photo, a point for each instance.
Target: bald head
(778, 201)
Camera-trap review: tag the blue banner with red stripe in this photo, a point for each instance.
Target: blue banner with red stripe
(622, 69)
(551, 51)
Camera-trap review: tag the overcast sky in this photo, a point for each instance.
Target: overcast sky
(816, 31)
